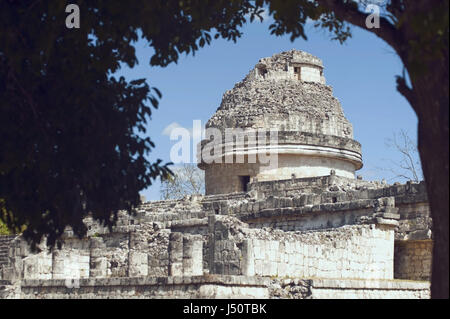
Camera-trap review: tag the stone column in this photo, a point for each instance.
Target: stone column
(138, 264)
(211, 243)
(175, 254)
(192, 255)
(248, 258)
(58, 265)
(98, 262)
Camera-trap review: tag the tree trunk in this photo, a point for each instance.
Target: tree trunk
(431, 102)
(417, 40)
(433, 146)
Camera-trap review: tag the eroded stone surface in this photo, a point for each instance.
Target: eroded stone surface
(286, 94)
(328, 227)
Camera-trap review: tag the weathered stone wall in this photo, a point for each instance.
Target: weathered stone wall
(310, 74)
(347, 189)
(225, 178)
(287, 104)
(278, 99)
(318, 185)
(359, 251)
(216, 286)
(5, 242)
(412, 259)
(185, 255)
(328, 227)
(142, 251)
(368, 289)
(306, 166)
(186, 287)
(415, 221)
(347, 252)
(312, 218)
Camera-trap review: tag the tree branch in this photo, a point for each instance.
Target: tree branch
(348, 11)
(407, 92)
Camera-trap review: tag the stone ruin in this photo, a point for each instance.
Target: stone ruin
(304, 229)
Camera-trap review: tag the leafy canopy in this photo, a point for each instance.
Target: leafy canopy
(71, 133)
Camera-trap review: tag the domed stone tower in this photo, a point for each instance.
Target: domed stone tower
(299, 125)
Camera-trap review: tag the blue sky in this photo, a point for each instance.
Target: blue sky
(361, 71)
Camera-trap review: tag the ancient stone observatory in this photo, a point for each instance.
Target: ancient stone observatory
(306, 229)
(285, 94)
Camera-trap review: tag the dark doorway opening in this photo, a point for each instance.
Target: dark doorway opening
(244, 182)
(298, 72)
